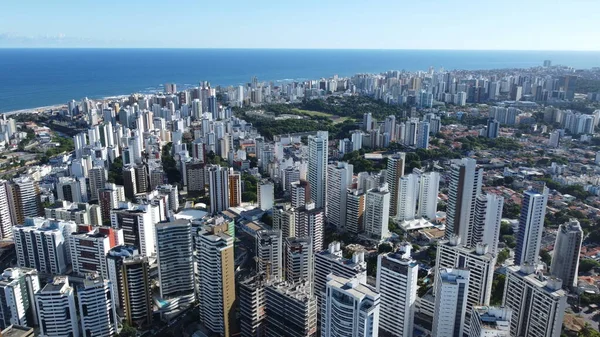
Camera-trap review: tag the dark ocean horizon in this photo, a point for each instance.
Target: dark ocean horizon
(31, 78)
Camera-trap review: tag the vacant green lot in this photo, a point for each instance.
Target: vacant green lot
(311, 113)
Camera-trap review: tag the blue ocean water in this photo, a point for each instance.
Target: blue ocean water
(39, 77)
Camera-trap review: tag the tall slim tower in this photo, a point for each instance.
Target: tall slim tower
(310, 223)
(429, 186)
(565, 260)
(300, 193)
(235, 188)
(394, 170)
(339, 177)
(531, 225)
(56, 308)
(353, 303)
(175, 264)
(299, 264)
(17, 304)
(377, 210)
(216, 282)
(269, 253)
(465, 185)
(488, 214)
(6, 212)
(218, 188)
(397, 275)
(480, 264)
(538, 303)
(96, 307)
(452, 287)
(25, 198)
(317, 167)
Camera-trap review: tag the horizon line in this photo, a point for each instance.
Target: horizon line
(287, 48)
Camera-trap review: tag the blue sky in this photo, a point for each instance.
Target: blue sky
(375, 24)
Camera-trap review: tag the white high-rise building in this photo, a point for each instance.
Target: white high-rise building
(97, 180)
(310, 223)
(291, 309)
(452, 287)
(17, 289)
(531, 225)
(25, 198)
(490, 322)
(488, 215)
(565, 259)
(377, 210)
(218, 188)
(266, 195)
(174, 252)
(478, 261)
(350, 309)
(339, 177)
(96, 307)
(56, 309)
(284, 219)
(408, 192)
(137, 223)
(397, 275)
(269, 253)
(43, 244)
(88, 251)
(394, 171)
(300, 193)
(538, 303)
(331, 261)
(429, 186)
(465, 186)
(7, 215)
(299, 261)
(317, 167)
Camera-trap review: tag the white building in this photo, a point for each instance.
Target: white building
(397, 275)
(299, 261)
(488, 216)
(310, 223)
(331, 261)
(452, 286)
(565, 257)
(339, 177)
(96, 307)
(17, 289)
(299, 193)
(43, 244)
(350, 309)
(137, 223)
(377, 212)
(88, 251)
(174, 252)
(429, 186)
(317, 167)
(266, 195)
(478, 261)
(408, 193)
(490, 322)
(269, 253)
(7, 215)
(56, 309)
(538, 303)
(218, 188)
(531, 225)
(464, 187)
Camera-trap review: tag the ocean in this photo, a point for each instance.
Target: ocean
(32, 78)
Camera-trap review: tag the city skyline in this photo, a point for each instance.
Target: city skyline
(328, 25)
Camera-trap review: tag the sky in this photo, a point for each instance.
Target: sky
(305, 24)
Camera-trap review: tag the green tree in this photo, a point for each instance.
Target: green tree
(497, 289)
(546, 257)
(128, 331)
(585, 265)
(503, 256)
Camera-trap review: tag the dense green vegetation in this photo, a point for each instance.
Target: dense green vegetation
(585, 265)
(115, 171)
(587, 85)
(574, 190)
(250, 182)
(170, 165)
(65, 145)
(497, 289)
(503, 256)
(357, 159)
(481, 143)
